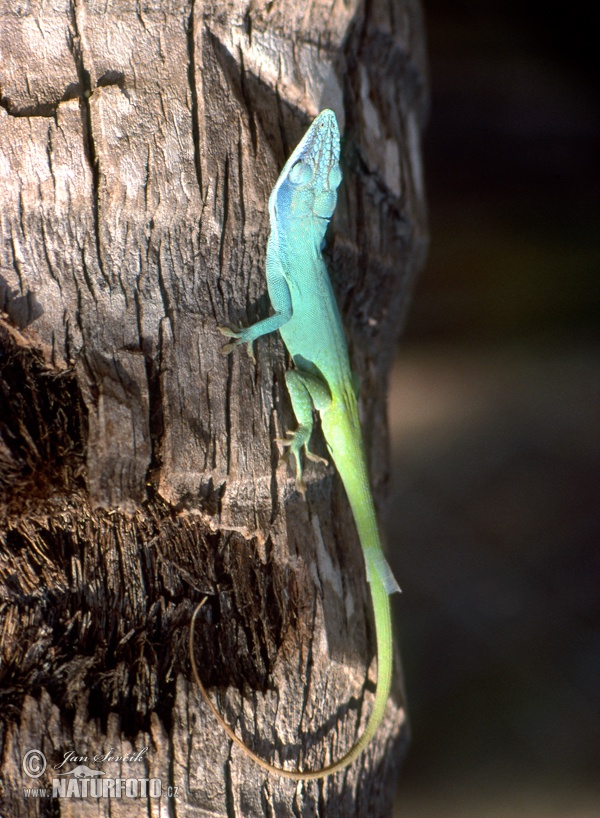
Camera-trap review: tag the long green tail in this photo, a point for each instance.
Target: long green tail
(342, 432)
(383, 627)
(382, 583)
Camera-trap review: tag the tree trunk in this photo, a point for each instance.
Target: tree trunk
(139, 142)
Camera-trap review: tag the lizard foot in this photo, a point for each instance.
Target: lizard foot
(229, 332)
(238, 338)
(316, 458)
(301, 487)
(288, 446)
(291, 440)
(294, 443)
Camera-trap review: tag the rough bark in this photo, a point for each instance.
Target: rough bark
(139, 142)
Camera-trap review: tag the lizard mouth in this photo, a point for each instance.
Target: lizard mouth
(320, 147)
(319, 150)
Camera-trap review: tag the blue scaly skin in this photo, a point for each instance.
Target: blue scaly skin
(306, 314)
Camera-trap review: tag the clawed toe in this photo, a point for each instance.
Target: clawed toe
(229, 347)
(316, 458)
(301, 487)
(238, 338)
(229, 332)
(285, 441)
(293, 445)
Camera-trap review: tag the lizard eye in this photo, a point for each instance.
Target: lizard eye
(300, 174)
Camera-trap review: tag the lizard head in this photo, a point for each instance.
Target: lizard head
(306, 190)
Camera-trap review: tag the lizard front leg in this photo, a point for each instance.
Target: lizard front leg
(281, 299)
(307, 392)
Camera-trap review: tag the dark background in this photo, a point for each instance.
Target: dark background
(494, 517)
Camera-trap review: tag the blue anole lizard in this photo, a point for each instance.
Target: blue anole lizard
(306, 314)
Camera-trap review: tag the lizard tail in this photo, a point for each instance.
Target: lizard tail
(350, 462)
(383, 628)
(378, 563)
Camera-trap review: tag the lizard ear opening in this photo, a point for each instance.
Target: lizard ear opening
(325, 204)
(335, 176)
(301, 173)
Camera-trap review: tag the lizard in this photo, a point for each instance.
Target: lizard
(307, 316)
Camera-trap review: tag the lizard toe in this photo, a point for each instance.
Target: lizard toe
(229, 347)
(301, 487)
(229, 332)
(316, 458)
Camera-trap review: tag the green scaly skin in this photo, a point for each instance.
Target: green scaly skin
(306, 314)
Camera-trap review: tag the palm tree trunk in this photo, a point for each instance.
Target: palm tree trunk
(138, 470)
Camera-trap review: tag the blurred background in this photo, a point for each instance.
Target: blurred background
(494, 519)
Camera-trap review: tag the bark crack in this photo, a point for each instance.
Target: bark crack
(89, 145)
(191, 49)
(43, 109)
(246, 97)
(225, 211)
(228, 409)
(308, 669)
(229, 797)
(164, 290)
(172, 802)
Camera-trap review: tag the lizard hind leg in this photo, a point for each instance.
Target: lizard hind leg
(307, 392)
